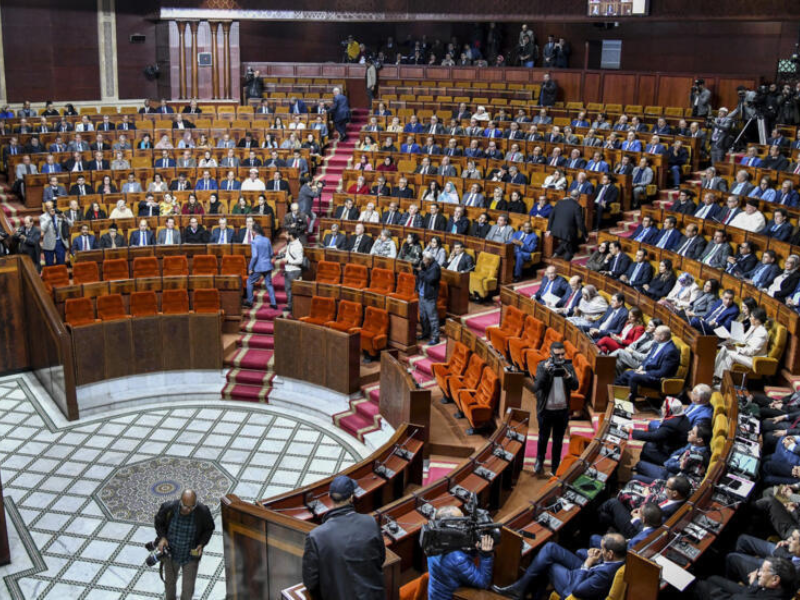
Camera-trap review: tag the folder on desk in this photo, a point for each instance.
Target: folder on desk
(587, 486)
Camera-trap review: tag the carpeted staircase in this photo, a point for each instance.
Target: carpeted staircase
(363, 416)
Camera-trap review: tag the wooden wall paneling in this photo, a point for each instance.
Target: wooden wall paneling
(206, 341)
(646, 91)
(175, 336)
(592, 87)
(673, 90)
(13, 338)
(619, 88)
(89, 348)
(569, 84)
(135, 16)
(725, 92)
(119, 348)
(146, 336)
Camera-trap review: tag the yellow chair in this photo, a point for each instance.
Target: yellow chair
(483, 280)
(720, 427)
(767, 366)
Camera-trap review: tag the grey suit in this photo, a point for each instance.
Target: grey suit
(476, 200)
(447, 171)
(640, 188)
(49, 234)
(162, 237)
(186, 163)
(82, 147)
(719, 254)
(700, 102)
(132, 188)
(229, 162)
(633, 356)
(22, 170)
(496, 235)
(50, 195)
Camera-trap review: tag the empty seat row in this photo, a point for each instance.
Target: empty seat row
(81, 311)
(374, 330)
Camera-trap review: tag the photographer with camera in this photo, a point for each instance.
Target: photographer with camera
(788, 103)
(184, 528)
(343, 557)
(700, 99)
(720, 135)
(428, 275)
(25, 240)
(450, 570)
(254, 84)
(554, 382)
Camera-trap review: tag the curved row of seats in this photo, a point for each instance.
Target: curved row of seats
(374, 328)
(110, 307)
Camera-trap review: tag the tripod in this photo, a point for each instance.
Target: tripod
(762, 132)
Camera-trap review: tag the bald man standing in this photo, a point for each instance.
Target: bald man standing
(184, 527)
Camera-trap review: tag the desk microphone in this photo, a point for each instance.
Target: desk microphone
(313, 504)
(402, 451)
(483, 472)
(513, 434)
(502, 453)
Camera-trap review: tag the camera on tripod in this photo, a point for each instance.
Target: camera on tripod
(448, 534)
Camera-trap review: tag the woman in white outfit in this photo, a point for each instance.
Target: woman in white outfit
(755, 343)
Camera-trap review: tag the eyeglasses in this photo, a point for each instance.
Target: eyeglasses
(188, 508)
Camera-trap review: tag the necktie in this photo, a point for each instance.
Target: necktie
(636, 272)
(640, 237)
(85, 242)
(142, 238)
(223, 236)
(409, 221)
(797, 168)
(757, 278)
(711, 254)
(247, 238)
(357, 245)
(601, 194)
(717, 312)
(662, 243)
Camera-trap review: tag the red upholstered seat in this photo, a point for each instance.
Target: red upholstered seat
(443, 300)
(349, 317)
(329, 272)
(79, 311)
(55, 276)
(534, 357)
(513, 321)
(176, 266)
(111, 308)
(145, 266)
(416, 589)
(382, 282)
(478, 405)
(406, 287)
(469, 380)
(115, 269)
(453, 367)
(175, 302)
(529, 340)
(204, 264)
(375, 331)
(85, 272)
(355, 276)
(206, 300)
(583, 373)
(234, 264)
(144, 304)
(323, 309)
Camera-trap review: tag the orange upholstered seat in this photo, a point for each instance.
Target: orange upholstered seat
(469, 380)
(323, 309)
(329, 272)
(79, 311)
(382, 282)
(175, 302)
(145, 266)
(144, 304)
(570, 349)
(234, 264)
(406, 287)
(206, 300)
(512, 324)
(478, 405)
(204, 264)
(55, 276)
(115, 268)
(529, 340)
(534, 357)
(176, 266)
(355, 276)
(111, 308)
(375, 331)
(416, 589)
(453, 367)
(349, 316)
(583, 373)
(85, 272)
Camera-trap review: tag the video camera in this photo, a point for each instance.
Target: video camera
(439, 536)
(557, 367)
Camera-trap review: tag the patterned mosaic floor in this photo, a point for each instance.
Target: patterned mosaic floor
(78, 494)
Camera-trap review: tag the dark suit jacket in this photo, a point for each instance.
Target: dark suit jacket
(544, 382)
(406, 193)
(341, 241)
(480, 230)
(644, 276)
(465, 264)
(462, 226)
(559, 287)
(440, 222)
(611, 194)
(687, 208)
(75, 189)
(566, 220)
(105, 240)
(782, 233)
(77, 243)
(648, 238)
(695, 249)
(186, 125)
(341, 212)
(416, 222)
(666, 363)
(391, 219)
(151, 239)
(619, 265)
(769, 276)
(743, 264)
(617, 323)
(787, 286)
(364, 247)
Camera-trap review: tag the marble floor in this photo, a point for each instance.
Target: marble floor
(80, 496)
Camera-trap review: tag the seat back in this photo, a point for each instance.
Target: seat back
(355, 276)
(206, 300)
(487, 264)
(144, 304)
(176, 266)
(583, 372)
(618, 586)
(550, 336)
(570, 349)
(55, 276)
(115, 268)
(323, 309)
(489, 388)
(145, 266)
(406, 284)
(534, 328)
(175, 302)
(85, 272)
(473, 373)
(686, 353)
(204, 264)
(778, 336)
(513, 321)
(376, 320)
(78, 311)
(110, 307)
(349, 313)
(382, 281)
(329, 272)
(234, 264)
(458, 359)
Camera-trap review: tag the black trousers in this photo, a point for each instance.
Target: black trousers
(614, 514)
(555, 422)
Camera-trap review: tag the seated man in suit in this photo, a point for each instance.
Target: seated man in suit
(149, 207)
(195, 233)
(392, 215)
(588, 579)
(552, 284)
(613, 513)
(743, 261)
(335, 239)
(525, 243)
(785, 283)
(581, 185)
(112, 239)
(742, 186)
(775, 160)
(142, 236)
(607, 193)
(711, 181)
(721, 313)
(500, 232)
(612, 322)
(170, 235)
(222, 234)
(690, 460)
(458, 223)
(764, 273)
(708, 208)
(717, 251)
(571, 299)
(480, 228)
(640, 272)
(693, 244)
(786, 196)
(348, 212)
(575, 160)
(359, 241)
(775, 577)
(619, 261)
(81, 188)
(459, 260)
(778, 228)
(646, 232)
(684, 204)
(412, 218)
(727, 213)
(402, 190)
(662, 361)
(181, 184)
(278, 184)
(53, 191)
(642, 176)
(434, 220)
(84, 241)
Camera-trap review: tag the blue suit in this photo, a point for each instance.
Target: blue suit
(634, 146)
(619, 316)
(150, 238)
(165, 163)
(54, 168)
(522, 254)
(413, 128)
(230, 185)
(585, 188)
(557, 287)
(261, 266)
(719, 314)
(410, 149)
(790, 199)
(669, 239)
(570, 303)
(781, 232)
(639, 274)
(619, 265)
(645, 236)
(595, 541)
(600, 166)
(78, 244)
(452, 570)
(340, 113)
(662, 361)
(202, 184)
(230, 236)
(300, 107)
(763, 275)
(565, 572)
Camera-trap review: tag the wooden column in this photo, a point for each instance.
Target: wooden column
(193, 58)
(181, 59)
(214, 25)
(226, 57)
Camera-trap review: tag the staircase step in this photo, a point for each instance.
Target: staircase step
(374, 394)
(257, 341)
(246, 393)
(368, 409)
(423, 365)
(249, 358)
(256, 326)
(357, 425)
(437, 353)
(249, 377)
